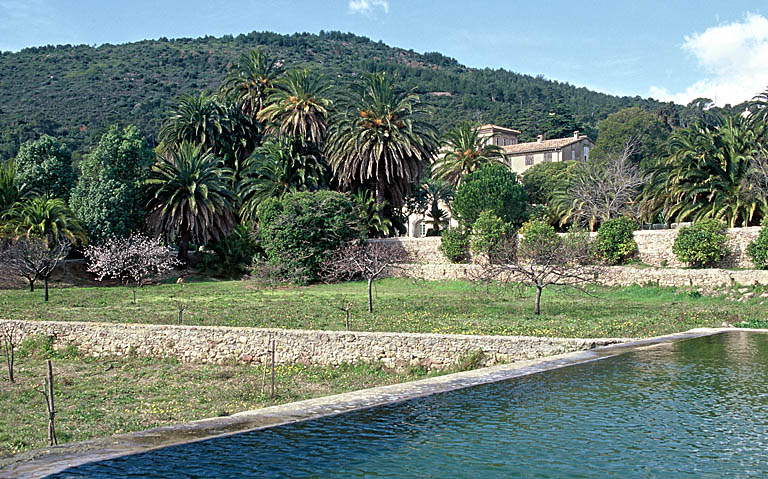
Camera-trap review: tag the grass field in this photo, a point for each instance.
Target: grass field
(107, 396)
(400, 305)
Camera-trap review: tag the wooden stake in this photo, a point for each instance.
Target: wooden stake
(272, 394)
(48, 393)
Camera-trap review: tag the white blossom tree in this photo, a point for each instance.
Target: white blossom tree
(131, 260)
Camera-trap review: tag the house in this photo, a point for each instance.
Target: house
(521, 156)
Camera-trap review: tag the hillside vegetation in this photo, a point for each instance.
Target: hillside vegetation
(75, 92)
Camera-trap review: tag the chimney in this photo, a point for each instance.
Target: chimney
(576, 135)
(539, 138)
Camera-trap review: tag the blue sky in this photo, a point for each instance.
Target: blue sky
(671, 50)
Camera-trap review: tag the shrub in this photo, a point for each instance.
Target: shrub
(298, 231)
(455, 246)
(758, 249)
(492, 188)
(615, 243)
(538, 236)
(702, 244)
(232, 256)
(487, 232)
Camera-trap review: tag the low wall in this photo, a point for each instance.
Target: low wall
(213, 344)
(609, 276)
(654, 247)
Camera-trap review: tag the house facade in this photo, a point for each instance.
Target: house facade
(521, 156)
(518, 157)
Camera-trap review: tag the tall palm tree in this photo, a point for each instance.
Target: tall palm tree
(297, 106)
(10, 189)
(190, 197)
(464, 153)
(275, 169)
(759, 108)
(47, 218)
(706, 176)
(250, 81)
(382, 138)
(196, 119)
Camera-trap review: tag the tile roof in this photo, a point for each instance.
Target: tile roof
(545, 145)
(492, 127)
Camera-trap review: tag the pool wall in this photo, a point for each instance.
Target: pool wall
(42, 462)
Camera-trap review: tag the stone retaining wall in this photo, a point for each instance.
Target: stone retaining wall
(609, 276)
(213, 344)
(654, 247)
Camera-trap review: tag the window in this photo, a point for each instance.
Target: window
(504, 141)
(573, 155)
(422, 229)
(548, 156)
(586, 153)
(529, 159)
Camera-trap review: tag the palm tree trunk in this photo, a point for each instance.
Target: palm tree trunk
(184, 247)
(380, 199)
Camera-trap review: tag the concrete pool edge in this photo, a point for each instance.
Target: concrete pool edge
(46, 461)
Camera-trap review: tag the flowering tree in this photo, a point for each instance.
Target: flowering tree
(132, 260)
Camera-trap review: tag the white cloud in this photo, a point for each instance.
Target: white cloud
(366, 7)
(735, 59)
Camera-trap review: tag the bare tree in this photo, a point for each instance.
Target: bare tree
(601, 189)
(542, 258)
(366, 260)
(132, 260)
(11, 336)
(33, 259)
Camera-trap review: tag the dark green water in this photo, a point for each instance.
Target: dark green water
(693, 409)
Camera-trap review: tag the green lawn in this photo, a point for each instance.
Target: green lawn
(401, 305)
(107, 396)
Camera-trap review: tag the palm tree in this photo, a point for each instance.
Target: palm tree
(190, 198)
(196, 119)
(297, 107)
(47, 218)
(381, 138)
(373, 214)
(251, 80)
(10, 189)
(465, 152)
(706, 176)
(759, 108)
(275, 169)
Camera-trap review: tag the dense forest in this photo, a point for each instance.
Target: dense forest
(76, 92)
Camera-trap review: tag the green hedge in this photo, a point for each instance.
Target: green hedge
(758, 249)
(615, 242)
(299, 231)
(702, 244)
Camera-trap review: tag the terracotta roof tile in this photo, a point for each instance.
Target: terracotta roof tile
(491, 126)
(545, 145)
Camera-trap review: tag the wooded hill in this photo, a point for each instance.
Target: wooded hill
(75, 92)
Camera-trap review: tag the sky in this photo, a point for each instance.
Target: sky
(670, 50)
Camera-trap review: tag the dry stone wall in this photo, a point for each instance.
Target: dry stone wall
(654, 248)
(213, 344)
(609, 276)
